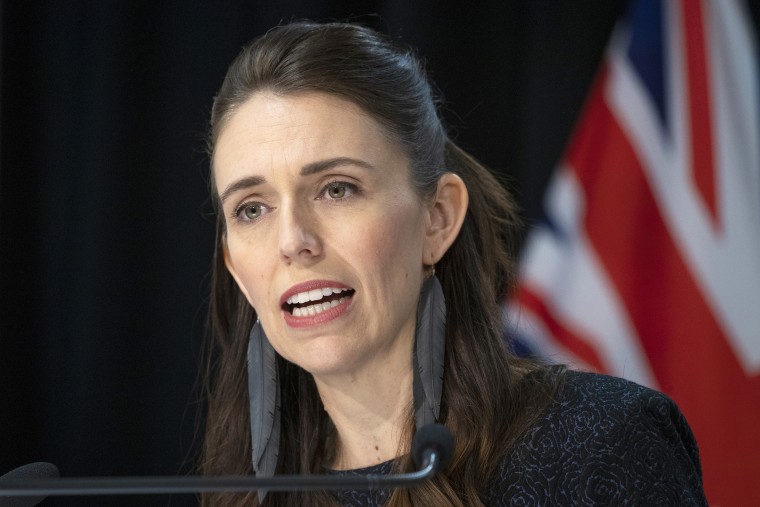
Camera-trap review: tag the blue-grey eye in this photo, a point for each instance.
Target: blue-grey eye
(336, 190)
(252, 211)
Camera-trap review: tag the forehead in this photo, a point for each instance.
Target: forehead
(269, 128)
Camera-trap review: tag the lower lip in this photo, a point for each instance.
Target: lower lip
(318, 319)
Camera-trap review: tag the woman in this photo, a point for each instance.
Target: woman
(359, 267)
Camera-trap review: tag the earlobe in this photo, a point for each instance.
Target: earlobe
(446, 216)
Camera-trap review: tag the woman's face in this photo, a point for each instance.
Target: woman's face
(325, 234)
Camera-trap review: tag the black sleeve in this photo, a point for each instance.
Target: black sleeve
(605, 441)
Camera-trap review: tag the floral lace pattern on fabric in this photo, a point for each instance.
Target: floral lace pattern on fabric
(603, 441)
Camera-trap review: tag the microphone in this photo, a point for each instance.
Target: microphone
(39, 470)
(432, 451)
(433, 441)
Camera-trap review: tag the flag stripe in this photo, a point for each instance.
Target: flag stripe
(565, 272)
(626, 229)
(700, 124)
(561, 333)
(645, 51)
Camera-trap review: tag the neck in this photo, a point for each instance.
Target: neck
(370, 412)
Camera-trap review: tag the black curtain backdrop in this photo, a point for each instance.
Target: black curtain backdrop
(105, 226)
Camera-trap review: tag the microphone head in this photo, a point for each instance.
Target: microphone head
(39, 470)
(433, 437)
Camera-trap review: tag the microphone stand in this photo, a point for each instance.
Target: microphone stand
(166, 485)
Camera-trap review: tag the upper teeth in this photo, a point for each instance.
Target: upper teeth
(313, 295)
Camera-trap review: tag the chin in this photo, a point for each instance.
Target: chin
(325, 364)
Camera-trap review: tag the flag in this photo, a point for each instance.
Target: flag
(647, 265)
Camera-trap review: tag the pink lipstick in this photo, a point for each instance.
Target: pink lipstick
(315, 302)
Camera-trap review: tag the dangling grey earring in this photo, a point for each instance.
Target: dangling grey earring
(264, 396)
(430, 349)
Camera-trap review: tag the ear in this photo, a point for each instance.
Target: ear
(445, 217)
(231, 269)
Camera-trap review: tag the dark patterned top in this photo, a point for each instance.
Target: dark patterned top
(603, 441)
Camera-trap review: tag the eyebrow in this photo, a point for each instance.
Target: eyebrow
(324, 165)
(307, 170)
(241, 184)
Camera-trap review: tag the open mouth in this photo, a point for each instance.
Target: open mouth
(314, 302)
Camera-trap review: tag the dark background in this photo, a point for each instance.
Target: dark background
(105, 227)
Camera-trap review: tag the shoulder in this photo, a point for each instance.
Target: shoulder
(603, 441)
(589, 398)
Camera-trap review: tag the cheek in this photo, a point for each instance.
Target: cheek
(250, 271)
(392, 243)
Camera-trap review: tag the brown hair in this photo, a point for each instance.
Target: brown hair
(488, 400)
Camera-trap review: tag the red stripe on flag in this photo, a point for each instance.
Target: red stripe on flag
(686, 346)
(698, 114)
(571, 340)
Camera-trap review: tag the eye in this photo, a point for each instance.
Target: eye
(249, 211)
(339, 190)
(336, 190)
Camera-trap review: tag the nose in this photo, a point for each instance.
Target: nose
(298, 240)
